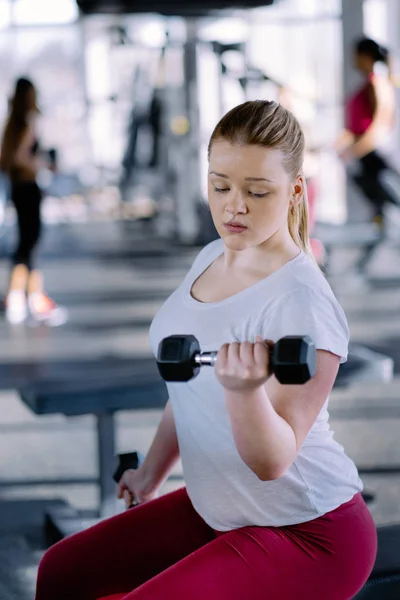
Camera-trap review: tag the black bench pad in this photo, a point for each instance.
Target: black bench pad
(133, 385)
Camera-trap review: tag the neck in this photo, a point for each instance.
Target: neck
(275, 251)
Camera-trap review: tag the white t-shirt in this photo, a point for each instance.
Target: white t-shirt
(294, 300)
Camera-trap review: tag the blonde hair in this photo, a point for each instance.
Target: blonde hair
(269, 124)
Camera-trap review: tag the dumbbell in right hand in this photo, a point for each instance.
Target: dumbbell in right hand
(293, 359)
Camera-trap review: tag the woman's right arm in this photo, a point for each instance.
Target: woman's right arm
(142, 485)
(344, 140)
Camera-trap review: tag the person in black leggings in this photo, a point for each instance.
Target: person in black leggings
(370, 180)
(20, 161)
(28, 218)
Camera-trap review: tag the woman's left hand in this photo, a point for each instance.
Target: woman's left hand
(347, 156)
(243, 366)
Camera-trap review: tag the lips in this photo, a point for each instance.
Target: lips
(235, 227)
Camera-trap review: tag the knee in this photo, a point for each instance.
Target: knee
(50, 567)
(34, 238)
(55, 571)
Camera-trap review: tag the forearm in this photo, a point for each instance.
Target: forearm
(264, 440)
(369, 140)
(30, 164)
(164, 451)
(363, 146)
(344, 140)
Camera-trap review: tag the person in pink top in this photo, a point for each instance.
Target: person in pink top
(369, 119)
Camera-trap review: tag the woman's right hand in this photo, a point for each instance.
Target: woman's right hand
(135, 487)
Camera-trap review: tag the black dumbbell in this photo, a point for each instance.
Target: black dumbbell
(293, 358)
(129, 460)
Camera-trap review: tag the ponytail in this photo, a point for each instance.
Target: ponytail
(383, 55)
(298, 225)
(387, 60)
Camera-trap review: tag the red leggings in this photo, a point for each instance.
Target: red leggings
(163, 550)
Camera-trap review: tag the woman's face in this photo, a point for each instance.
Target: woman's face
(249, 193)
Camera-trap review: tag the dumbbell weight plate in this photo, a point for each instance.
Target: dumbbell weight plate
(175, 358)
(294, 360)
(129, 460)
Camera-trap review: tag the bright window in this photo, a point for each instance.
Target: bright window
(5, 14)
(44, 12)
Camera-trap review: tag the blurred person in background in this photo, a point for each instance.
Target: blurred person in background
(21, 160)
(311, 173)
(370, 116)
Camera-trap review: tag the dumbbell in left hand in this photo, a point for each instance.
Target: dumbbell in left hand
(128, 460)
(293, 359)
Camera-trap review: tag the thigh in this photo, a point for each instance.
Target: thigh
(367, 183)
(26, 198)
(121, 553)
(370, 186)
(371, 178)
(34, 211)
(17, 198)
(329, 558)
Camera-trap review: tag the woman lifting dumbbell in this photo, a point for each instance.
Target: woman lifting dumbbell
(272, 507)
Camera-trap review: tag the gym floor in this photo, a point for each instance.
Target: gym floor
(112, 278)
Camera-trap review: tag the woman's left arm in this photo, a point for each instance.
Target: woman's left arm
(384, 101)
(270, 421)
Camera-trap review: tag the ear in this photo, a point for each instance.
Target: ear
(297, 190)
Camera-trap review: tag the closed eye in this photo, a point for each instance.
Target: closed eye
(259, 195)
(223, 190)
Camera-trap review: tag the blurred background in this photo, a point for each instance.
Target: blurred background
(129, 94)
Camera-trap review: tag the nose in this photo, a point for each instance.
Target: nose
(235, 203)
